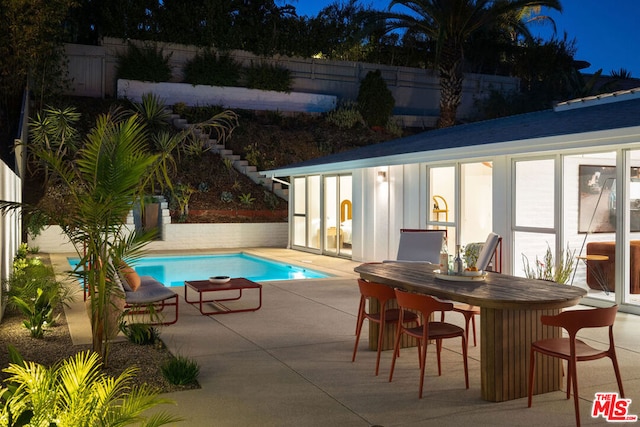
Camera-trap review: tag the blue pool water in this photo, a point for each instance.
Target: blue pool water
(174, 270)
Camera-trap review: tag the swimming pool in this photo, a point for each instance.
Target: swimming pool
(174, 270)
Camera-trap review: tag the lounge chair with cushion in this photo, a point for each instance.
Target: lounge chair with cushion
(145, 295)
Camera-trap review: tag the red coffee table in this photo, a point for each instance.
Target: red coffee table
(236, 284)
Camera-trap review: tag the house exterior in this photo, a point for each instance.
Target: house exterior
(560, 179)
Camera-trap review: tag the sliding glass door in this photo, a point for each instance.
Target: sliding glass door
(322, 214)
(338, 215)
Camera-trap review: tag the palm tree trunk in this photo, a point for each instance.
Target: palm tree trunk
(450, 67)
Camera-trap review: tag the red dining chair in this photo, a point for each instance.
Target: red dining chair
(383, 294)
(574, 350)
(426, 305)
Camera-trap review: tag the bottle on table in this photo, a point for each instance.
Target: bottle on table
(457, 261)
(444, 257)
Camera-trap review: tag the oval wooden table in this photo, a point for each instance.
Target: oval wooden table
(510, 310)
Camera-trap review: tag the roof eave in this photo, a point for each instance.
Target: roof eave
(482, 151)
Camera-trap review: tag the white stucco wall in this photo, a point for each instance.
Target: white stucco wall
(401, 202)
(228, 97)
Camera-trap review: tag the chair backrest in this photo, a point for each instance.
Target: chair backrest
(378, 291)
(425, 304)
(574, 320)
(420, 245)
(488, 250)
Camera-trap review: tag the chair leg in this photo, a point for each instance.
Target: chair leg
(360, 314)
(355, 347)
(380, 336)
(532, 368)
(473, 324)
(438, 350)
(616, 369)
(360, 311)
(359, 323)
(396, 347)
(569, 378)
(423, 357)
(465, 349)
(574, 381)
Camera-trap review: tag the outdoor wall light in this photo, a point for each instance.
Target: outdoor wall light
(382, 176)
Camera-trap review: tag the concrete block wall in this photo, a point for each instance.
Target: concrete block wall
(216, 236)
(187, 236)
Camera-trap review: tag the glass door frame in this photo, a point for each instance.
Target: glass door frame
(337, 233)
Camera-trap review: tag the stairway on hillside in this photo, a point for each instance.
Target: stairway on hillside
(239, 164)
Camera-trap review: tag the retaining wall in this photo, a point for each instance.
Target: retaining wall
(188, 236)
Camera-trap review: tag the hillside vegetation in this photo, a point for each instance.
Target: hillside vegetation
(267, 140)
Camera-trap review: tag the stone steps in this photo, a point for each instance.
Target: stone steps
(239, 164)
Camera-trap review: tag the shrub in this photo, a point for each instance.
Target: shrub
(213, 70)
(146, 64)
(180, 370)
(271, 199)
(76, 392)
(246, 199)
(226, 196)
(550, 270)
(375, 100)
(140, 333)
(268, 77)
(394, 128)
(346, 116)
(33, 289)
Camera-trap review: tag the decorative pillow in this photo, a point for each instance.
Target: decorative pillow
(130, 277)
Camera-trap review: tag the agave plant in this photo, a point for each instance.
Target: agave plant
(76, 393)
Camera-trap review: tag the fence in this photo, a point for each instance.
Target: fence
(416, 91)
(10, 225)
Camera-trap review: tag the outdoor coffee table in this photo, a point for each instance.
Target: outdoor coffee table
(204, 286)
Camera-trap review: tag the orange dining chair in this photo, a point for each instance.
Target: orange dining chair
(574, 350)
(383, 294)
(426, 305)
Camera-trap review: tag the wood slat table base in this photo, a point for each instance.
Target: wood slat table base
(506, 337)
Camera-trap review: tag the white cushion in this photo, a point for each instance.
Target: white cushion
(487, 251)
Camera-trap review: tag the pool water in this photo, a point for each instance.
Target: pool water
(174, 270)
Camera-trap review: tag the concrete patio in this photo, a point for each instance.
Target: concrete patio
(289, 364)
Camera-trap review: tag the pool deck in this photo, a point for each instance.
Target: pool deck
(289, 364)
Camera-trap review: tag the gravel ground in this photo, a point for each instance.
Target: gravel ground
(57, 345)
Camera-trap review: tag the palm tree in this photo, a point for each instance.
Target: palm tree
(450, 23)
(111, 171)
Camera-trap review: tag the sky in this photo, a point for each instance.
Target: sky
(607, 32)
